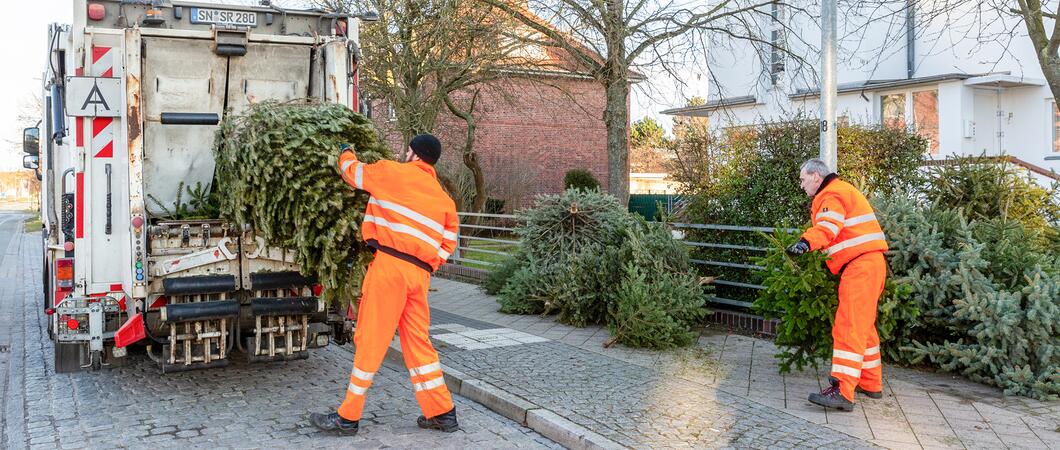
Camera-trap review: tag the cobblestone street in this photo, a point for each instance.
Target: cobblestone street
(240, 406)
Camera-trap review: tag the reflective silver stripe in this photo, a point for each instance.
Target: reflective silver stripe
(838, 368)
(831, 215)
(855, 241)
(407, 212)
(870, 217)
(357, 390)
(870, 364)
(360, 374)
(424, 370)
(847, 355)
(443, 254)
(402, 228)
(830, 226)
(872, 350)
(449, 235)
(428, 384)
(358, 176)
(346, 165)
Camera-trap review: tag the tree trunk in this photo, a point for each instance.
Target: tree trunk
(469, 156)
(1051, 69)
(616, 117)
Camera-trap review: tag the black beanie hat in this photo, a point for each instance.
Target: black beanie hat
(427, 148)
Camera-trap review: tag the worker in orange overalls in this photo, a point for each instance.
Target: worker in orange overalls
(845, 227)
(412, 225)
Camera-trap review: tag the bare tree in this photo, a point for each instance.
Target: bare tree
(421, 53)
(613, 38)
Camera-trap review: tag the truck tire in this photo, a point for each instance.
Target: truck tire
(68, 357)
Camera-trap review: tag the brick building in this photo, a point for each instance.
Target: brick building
(530, 130)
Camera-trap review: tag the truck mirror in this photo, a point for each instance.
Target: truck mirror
(31, 140)
(30, 161)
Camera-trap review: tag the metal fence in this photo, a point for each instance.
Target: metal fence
(485, 239)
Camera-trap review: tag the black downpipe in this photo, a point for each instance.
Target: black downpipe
(910, 38)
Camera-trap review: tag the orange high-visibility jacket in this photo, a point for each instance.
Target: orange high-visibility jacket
(409, 216)
(844, 224)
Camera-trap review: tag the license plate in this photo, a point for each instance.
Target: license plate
(222, 17)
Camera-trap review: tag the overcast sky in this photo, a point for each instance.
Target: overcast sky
(24, 29)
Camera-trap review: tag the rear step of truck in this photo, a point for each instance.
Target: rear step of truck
(200, 318)
(282, 330)
(203, 314)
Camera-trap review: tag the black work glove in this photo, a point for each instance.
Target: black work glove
(798, 248)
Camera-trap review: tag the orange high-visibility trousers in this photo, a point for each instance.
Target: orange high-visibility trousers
(856, 345)
(394, 297)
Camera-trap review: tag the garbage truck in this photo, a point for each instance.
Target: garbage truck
(133, 93)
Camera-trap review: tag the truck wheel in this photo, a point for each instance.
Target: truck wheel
(68, 357)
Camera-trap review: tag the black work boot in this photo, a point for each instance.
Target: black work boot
(870, 394)
(444, 422)
(334, 422)
(831, 398)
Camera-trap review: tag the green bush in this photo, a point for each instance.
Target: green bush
(986, 189)
(750, 177)
(580, 179)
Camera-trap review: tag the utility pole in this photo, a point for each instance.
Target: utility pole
(828, 83)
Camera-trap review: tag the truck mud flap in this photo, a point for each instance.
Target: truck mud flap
(278, 280)
(182, 312)
(205, 284)
(282, 306)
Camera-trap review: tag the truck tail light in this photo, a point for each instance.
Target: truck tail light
(96, 11)
(64, 273)
(73, 324)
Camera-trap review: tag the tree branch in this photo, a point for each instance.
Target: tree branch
(558, 39)
(696, 21)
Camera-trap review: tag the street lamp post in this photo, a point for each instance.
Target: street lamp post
(828, 83)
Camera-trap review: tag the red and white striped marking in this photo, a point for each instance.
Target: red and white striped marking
(103, 62)
(103, 128)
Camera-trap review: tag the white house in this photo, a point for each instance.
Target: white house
(961, 80)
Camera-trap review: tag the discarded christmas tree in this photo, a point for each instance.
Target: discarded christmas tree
(276, 172)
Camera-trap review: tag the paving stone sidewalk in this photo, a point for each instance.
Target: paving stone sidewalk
(634, 406)
(239, 406)
(727, 391)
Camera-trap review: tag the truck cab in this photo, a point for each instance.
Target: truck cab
(134, 92)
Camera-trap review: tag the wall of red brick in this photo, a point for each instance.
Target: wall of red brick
(528, 134)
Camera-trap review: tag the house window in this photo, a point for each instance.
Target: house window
(892, 110)
(1056, 129)
(777, 42)
(926, 117)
